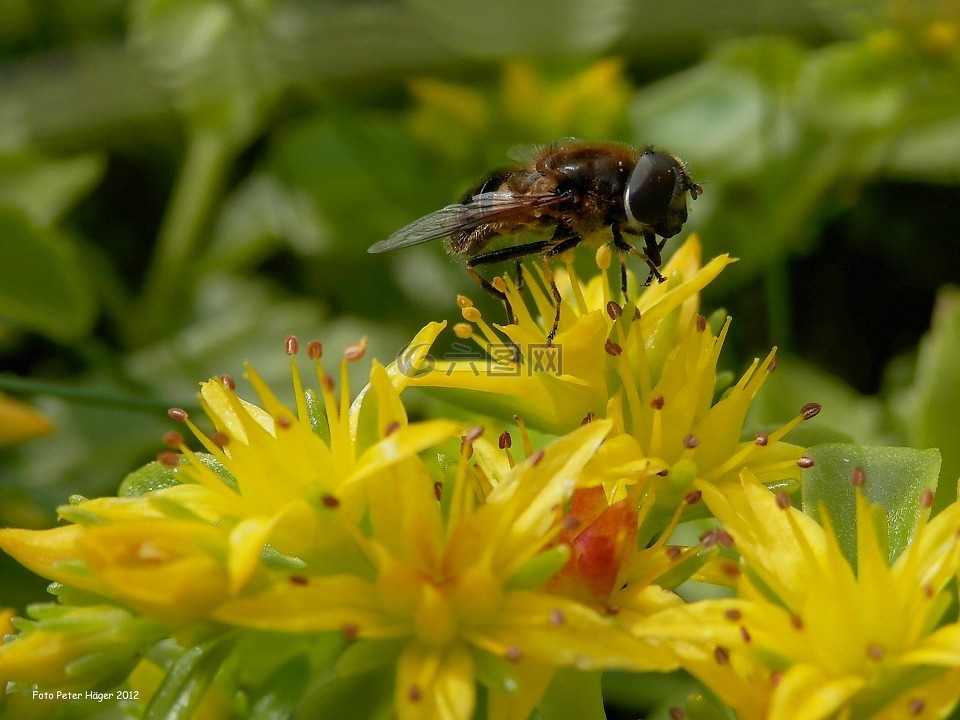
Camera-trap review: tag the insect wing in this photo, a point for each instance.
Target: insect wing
(485, 208)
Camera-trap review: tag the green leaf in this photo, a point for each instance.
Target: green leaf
(208, 54)
(368, 695)
(42, 283)
(573, 695)
(182, 688)
(46, 189)
(933, 410)
(152, 476)
(283, 691)
(896, 478)
(375, 167)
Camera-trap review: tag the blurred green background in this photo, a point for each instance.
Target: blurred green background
(183, 183)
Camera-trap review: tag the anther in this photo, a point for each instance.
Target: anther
(716, 536)
(796, 621)
(499, 284)
(612, 348)
(178, 414)
(557, 618)
(570, 523)
(391, 428)
(762, 439)
(604, 256)
(858, 478)
(298, 580)
(916, 706)
(355, 351)
(588, 418)
(690, 442)
(701, 323)
(349, 630)
(471, 314)
(673, 552)
(414, 693)
(473, 433)
(657, 403)
(733, 615)
(676, 713)
(926, 499)
(314, 350)
(220, 439)
(731, 570)
(168, 458)
(745, 634)
(875, 651)
(505, 441)
(464, 331)
(810, 410)
(172, 439)
(614, 310)
(721, 655)
(291, 345)
(438, 490)
(805, 462)
(513, 653)
(284, 422)
(536, 458)
(772, 365)
(464, 302)
(692, 498)
(228, 382)
(783, 499)
(330, 501)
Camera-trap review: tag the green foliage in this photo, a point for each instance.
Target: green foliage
(895, 478)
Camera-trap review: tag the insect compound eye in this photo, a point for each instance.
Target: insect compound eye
(651, 187)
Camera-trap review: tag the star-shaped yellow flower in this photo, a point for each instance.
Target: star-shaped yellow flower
(459, 584)
(809, 637)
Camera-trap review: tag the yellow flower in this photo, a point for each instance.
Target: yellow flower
(808, 636)
(264, 494)
(650, 366)
(459, 584)
(554, 388)
(457, 119)
(75, 647)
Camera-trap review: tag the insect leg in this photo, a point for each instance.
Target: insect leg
(501, 255)
(509, 253)
(565, 239)
(651, 257)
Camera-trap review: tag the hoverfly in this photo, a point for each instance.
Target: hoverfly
(571, 189)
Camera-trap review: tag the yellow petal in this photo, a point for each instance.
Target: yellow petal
(314, 604)
(435, 683)
(52, 554)
(805, 692)
(19, 422)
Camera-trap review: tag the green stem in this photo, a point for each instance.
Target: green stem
(168, 284)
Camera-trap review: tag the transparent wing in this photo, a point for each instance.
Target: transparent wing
(485, 208)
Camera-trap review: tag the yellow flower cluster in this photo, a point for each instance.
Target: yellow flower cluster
(426, 570)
